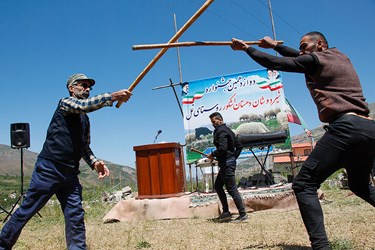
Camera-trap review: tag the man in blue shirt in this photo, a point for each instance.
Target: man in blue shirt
(57, 167)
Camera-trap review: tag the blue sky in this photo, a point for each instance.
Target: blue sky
(43, 42)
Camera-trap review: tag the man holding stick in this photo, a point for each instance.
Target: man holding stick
(228, 148)
(57, 167)
(349, 141)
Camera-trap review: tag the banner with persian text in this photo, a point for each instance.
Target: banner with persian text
(250, 102)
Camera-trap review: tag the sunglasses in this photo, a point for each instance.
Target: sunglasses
(84, 85)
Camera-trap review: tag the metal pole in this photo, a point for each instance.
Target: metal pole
(272, 22)
(178, 50)
(191, 179)
(212, 176)
(21, 171)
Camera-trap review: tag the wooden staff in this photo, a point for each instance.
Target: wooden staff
(188, 44)
(172, 40)
(199, 152)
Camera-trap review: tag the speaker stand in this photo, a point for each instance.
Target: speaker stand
(22, 194)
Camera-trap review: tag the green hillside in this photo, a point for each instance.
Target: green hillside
(10, 174)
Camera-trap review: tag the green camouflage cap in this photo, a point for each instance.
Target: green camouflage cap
(78, 77)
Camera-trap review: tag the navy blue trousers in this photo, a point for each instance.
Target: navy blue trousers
(348, 143)
(50, 178)
(226, 176)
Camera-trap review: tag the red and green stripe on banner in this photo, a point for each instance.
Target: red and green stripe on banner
(190, 99)
(272, 86)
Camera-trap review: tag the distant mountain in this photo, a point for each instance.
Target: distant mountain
(10, 165)
(319, 131)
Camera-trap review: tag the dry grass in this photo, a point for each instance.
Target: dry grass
(350, 224)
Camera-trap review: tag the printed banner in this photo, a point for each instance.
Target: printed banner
(250, 102)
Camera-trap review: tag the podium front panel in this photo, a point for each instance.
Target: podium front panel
(160, 170)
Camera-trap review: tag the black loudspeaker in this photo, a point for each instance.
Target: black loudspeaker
(20, 135)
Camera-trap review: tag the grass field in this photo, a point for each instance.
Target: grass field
(350, 224)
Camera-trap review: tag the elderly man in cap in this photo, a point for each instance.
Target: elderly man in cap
(57, 167)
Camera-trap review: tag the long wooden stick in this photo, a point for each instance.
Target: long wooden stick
(172, 40)
(188, 44)
(199, 152)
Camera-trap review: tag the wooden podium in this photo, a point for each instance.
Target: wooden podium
(160, 170)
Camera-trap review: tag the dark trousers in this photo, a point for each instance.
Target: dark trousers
(48, 179)
(348, 143)
(226, 176)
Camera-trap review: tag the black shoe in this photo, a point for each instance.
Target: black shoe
(225, 216)
(240, 218)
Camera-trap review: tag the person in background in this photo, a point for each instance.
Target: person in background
(57, 166)
(228, 148)
(349, 141)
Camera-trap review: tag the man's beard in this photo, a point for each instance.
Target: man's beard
(82, 94)
(85, 94)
